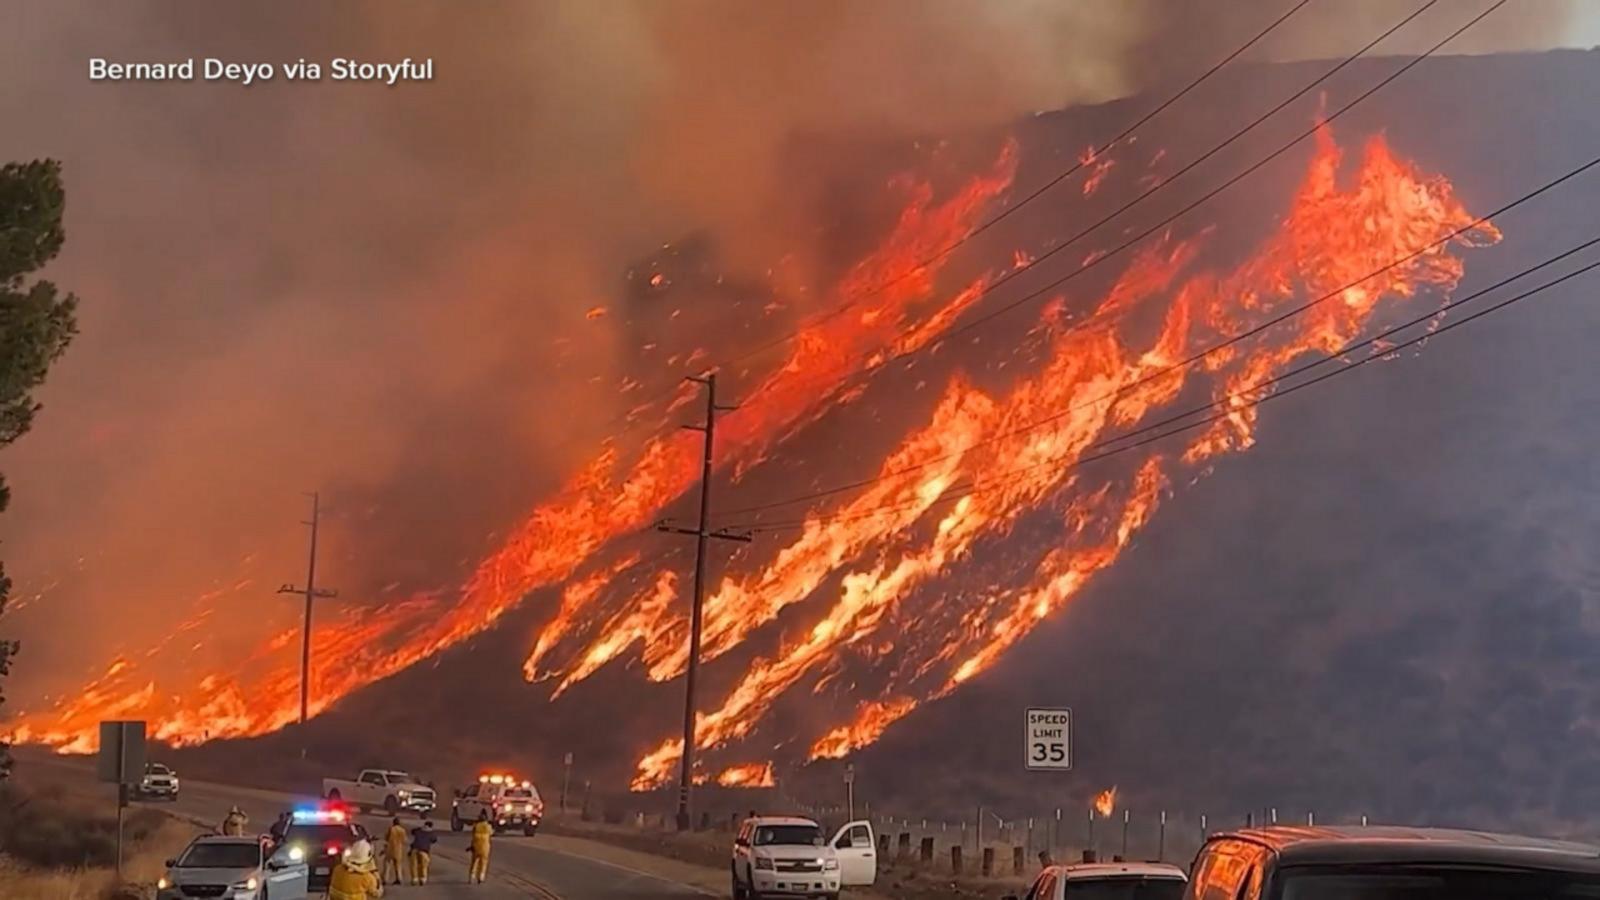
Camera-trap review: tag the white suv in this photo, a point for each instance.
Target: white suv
(786, 856)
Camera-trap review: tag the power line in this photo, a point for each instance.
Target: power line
(1190, 360)
(1051, 286)
(1077, 166)
(1229, 401)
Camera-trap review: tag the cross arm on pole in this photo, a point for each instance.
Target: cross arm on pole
(319, 593)
(723, 534)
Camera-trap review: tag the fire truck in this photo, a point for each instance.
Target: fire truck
(510, 803)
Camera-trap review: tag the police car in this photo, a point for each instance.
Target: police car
(321, 835)
(509, 802)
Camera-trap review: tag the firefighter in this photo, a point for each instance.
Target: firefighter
(394, 850)
(422, 841)
(355, 877)
(233, 823)
(481, 832)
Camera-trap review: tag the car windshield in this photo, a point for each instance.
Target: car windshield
(1126, 888)
(1434, 882)
(220, 855)
(398, 776)
(804, 835)
(519, 794)
(157, 769)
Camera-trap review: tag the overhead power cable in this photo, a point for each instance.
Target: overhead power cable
(1191, 360)
(1011, 209)
(987, 224)
(1205, 198)
(1244, 398)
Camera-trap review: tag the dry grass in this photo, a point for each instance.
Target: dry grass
(58, 846)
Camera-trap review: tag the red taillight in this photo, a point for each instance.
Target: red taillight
(333, 849)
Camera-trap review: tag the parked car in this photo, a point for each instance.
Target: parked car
(1108, 881)
(1390, 863)
(510, 804)
(387, 789)
(235, 868)
(159, 782)
(787, 856)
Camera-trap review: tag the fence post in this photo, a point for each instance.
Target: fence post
(1161, 839)
(883, 847)
(1055, 836)
(927, 851)
(903, 851)
(988, 862)
(1017, 858)
(1127, 817)
(955, 859)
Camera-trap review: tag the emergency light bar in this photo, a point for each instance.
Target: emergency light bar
(318, 816)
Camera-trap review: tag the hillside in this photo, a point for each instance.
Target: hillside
(1385, 607)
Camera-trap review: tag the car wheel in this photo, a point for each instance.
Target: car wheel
(738, 891)
(455, 821)
(391, 805)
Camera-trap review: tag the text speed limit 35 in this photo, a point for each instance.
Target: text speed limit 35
(1048, 743)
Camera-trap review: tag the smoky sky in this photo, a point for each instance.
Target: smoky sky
(382, 292)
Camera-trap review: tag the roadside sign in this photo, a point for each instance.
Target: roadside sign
(1047, 739)
(849, 773)
(121, 759)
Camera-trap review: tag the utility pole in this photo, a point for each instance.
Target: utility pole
(310, 592)
(701, 535)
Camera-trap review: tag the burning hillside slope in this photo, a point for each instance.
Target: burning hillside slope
(877, 574)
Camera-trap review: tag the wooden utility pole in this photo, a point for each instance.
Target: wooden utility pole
(310, 592)
(701, 535)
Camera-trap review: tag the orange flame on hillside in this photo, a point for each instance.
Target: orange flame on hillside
(749, 775)
(862, 580)
(1105, 802)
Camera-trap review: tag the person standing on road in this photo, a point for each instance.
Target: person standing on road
(355, 877)
(422, 841)
(280, 828)
(481, 832)
(233, 823)
(394, 850)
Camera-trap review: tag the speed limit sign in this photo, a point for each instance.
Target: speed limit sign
(1047, 741)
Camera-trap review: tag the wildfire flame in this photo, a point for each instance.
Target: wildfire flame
(1105, 802)
(749, 775)
(985, 459)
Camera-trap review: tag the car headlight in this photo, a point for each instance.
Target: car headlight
(763, 863)
(297, 853)
(403, 793)
(829, 865)
(249, 884)
(163, 883)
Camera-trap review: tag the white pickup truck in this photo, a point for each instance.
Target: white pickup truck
(386, 789)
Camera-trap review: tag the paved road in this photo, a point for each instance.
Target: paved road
(518, 868)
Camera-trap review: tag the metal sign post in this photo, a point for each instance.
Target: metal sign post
(850, 788)
(121, 761)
